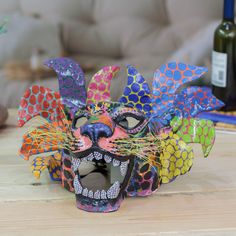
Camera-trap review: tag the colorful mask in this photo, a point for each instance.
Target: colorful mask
(143, 138)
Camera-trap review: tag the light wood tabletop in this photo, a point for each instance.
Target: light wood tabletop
(202, 202)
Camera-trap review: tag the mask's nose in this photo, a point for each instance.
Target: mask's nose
(96, 131)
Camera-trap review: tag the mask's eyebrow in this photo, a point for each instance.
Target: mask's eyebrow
(125, 109)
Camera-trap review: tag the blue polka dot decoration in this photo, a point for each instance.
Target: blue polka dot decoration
(137, 92)
(168, 79)
(194, 99)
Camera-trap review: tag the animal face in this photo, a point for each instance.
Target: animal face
(106, 150)
(103, 132)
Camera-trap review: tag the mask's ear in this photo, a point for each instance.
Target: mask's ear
(71, 82)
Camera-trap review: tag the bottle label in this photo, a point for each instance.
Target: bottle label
(219, 69)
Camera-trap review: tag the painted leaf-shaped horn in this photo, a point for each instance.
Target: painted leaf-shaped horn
(168, 79)
(71, 81)
(137, 92)
(38, 100)
(99, 86)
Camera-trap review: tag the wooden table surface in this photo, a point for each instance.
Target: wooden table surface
(202, 202)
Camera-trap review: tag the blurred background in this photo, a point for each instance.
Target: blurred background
(96, 33)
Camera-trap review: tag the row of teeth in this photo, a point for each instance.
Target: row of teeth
(98, 156)
(111, 193)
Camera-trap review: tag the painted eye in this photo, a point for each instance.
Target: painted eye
(80, 121)
(129, 121)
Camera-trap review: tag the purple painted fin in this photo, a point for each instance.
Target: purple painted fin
(71, 82)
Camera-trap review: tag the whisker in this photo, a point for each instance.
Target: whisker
(145, 148)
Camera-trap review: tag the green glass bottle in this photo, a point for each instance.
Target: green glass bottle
(224, 59)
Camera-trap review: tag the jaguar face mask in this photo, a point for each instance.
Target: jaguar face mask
(136, 143)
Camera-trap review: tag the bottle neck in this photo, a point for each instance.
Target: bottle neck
(228, 10)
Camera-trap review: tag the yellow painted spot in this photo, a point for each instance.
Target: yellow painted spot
(177, 154)
(175, 136)
(57, 156)
(165, 180)
(38, 163)
(190, 163)
(164, 172)
(179, 163)
(173, 158)
(55, 175)
(164, 136)
(172, 166)
(166, 155)
(185, 169)
(182, 144)
(177, 172)
(184, 155)
(170, 175)
(170, 149)
(190, 155)
(161, 156)
(165, 163)
(37, 174)
(52, 165)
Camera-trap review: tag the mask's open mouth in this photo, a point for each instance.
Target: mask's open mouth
(101, 189)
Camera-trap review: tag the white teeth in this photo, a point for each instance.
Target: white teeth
(77, 185)
(114, 190)
(85, 192)
(124, 167)
(116, 162)
(111, 193)
(107, 159)
(90, 194)
(75, 163)
(103, 194)
(97, 155)
(97, 194)
(90, 157)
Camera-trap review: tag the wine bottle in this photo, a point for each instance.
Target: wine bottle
(224, 59)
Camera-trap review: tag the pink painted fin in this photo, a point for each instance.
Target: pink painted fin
(99, 86)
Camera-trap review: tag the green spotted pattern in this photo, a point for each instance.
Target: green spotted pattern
(198, 131)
